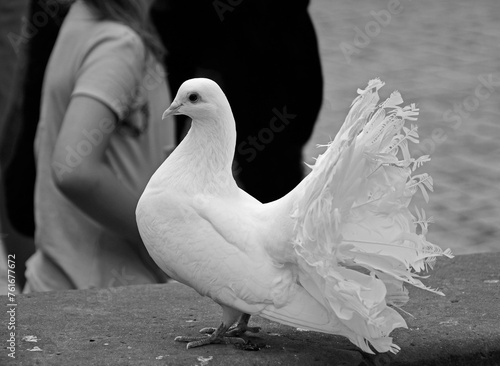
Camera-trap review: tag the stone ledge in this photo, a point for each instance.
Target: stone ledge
(136, 325)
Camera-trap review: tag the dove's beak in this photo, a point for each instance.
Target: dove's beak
(174, 107)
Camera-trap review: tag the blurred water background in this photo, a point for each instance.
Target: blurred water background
(445, 57)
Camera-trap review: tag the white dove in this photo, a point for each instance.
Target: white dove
(330, 256)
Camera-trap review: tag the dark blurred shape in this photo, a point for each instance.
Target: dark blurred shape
(20, 174)
(264, 54)
(11, 71)
(12, 58)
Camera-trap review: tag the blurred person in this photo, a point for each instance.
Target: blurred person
(264, 55)
(99, 140)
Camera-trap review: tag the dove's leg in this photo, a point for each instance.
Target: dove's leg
(219, 335)
(242, 327)
(236, 330)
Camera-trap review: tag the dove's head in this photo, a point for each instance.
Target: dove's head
(199, 99)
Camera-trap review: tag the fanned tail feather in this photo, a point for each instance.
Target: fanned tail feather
(354, 234)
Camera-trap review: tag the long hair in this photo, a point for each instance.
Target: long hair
(130, 13)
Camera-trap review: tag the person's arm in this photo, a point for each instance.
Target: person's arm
(90, 184)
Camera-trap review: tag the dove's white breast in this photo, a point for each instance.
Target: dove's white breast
(217, 246)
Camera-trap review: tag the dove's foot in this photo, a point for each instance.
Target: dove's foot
(216, 337)
(241, 327)
(208, 330)
(203, 341)
(236, 330)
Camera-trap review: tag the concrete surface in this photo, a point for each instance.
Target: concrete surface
(136, 326)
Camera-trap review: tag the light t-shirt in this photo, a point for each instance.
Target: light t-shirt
(106, 61)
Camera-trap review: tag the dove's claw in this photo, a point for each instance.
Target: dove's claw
(217, 336)
(208, 330)
(187, 339)
(236, 330)
(220, 340)
(202, 341)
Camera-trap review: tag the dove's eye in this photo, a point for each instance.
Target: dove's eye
(193, 97)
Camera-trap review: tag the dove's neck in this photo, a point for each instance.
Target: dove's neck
(214, 141)
(203, 160)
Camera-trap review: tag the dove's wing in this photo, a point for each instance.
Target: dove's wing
(266, 264)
